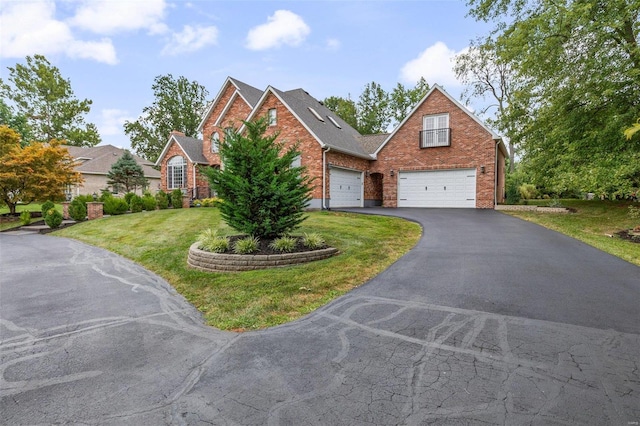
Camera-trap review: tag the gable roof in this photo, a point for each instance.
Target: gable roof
(191, 147)
(99, 159)
(439, 88)
(248, 93)
(342, 138)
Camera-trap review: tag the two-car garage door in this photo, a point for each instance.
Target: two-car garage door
(439, 188)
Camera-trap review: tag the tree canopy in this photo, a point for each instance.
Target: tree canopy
(36, 172)
(126, 173)
(377, 109)
(577, 64)
(40, 104)
(178, 105)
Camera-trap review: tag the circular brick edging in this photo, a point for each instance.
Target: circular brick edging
(219, 262)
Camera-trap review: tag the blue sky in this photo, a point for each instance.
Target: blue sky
(111, 50)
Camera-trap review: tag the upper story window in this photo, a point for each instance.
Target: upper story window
(176, 172)
(215, 142)
(435, 131)
(272, 117)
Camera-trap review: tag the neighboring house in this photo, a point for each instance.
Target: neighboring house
(94, 163)
(441, 155)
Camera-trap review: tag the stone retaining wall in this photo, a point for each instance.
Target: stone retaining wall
(218, 262)
(532, 208)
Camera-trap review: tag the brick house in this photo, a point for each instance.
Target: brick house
(441, 155)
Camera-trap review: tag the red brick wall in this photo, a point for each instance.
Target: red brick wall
(291, 131)
(471, 147)
(238, 111)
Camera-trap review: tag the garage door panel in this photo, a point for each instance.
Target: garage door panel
(441, 188)
(345, 188)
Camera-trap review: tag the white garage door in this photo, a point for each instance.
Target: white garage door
(345, 188)
(441, 188)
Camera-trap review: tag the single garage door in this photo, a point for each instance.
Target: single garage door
(345, 188)
(440, 188)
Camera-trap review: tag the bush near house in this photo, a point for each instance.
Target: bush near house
(163, 200)
(25, 218)
(114, 206)
(149, 202)
(53, 219)
(46, 207)
(176, 199)
(78, 209)
(135, 204)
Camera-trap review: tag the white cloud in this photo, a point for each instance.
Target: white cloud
(112, 122)
(191, 39)
(435, 64)
(30, 28)
(284, 27)
(110, 17)
(333, 44)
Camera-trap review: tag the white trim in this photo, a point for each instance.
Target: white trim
(437, 87)
(226, 108)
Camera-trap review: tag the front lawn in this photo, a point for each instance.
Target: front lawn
(160, 241)
(594, 223)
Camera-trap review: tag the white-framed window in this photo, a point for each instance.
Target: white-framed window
(297, 162)
(272, 117)
(215, 142)
(435, 131)
(176, 172)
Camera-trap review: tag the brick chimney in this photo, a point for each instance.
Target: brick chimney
(177, 133)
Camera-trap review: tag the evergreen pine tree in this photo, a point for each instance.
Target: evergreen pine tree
(126, 173)
(263, 195)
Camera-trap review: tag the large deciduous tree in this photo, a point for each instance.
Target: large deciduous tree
(578, 67)
(263, 194)
(178, 105)
(44, 105)
(126, 173)
(485, 74)
(36, 172)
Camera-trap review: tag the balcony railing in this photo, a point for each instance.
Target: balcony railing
(434, 138)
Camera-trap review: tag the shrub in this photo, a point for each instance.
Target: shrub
(149, 202)
(555, 202)
(162, 199)
(135, 204)
(53, 218)
(313, 241)
(528, 191)
(246, 245)
(128, 196)
(114, 206)
(176, 199)
(634, 212)
(105, 194)
(284, 244)
(78, 209)
(210, 202)
(46, 206)
(25, 218)
(209, 240)
(264, 195)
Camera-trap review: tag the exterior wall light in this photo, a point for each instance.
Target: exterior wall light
(481, 169)
(391, 172)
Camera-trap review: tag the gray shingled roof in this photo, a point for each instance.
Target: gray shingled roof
(250, 93)
(344, 139)
(371, 143)
(192, 148)
(99, 159)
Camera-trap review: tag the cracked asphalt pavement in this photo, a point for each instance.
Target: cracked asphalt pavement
(488, 320)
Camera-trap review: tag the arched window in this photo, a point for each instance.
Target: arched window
(215, 142)
(176, 172)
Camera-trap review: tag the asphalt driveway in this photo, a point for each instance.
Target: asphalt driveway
(488, 320)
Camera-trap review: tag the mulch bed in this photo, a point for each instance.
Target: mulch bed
(629, 235)
(263, 247)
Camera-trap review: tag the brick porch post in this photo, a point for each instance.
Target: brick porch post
(94, 210)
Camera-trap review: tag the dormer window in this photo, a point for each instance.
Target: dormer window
(436, 131)
(272, 117)
(215, 142)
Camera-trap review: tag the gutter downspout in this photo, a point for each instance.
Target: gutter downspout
(193, 193)
(324, 176)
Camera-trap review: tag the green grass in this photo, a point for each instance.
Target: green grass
(32, 207)
(238, 301)
(593, 223)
